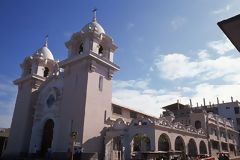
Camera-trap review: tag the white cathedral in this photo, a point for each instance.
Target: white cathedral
(56, 99)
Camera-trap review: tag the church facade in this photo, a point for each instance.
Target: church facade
(57, 98)
(59, 103)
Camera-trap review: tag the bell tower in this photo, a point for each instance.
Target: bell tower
(87, 91)
(35, 70)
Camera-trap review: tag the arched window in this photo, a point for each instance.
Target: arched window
(46, 71)
(100, 50)
(163, 143)
(80, 49)
(202, 148)
(179, 144)
(198, 125)
(192, 148)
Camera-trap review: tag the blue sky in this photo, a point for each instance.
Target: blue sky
(167, 50)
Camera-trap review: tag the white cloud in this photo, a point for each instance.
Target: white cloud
(144, 99)
(221, 46)
(178, 66)
(185, 89)
(222, 10)
(136, 84)
(232, 78)
(211, 92)
(178, 22)
(203, 54)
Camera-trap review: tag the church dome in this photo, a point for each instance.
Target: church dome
(45, 52)
(93, 26)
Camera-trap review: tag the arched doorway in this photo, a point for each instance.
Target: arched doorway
(113, 148)
(203, 148)
(117, 144)
(163, 143)
(141, 143)
(47, 136)
(192, 148)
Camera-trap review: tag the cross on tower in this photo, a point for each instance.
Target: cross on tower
(46, 41)
(94, 14)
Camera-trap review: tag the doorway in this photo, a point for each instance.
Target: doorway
(47, 136)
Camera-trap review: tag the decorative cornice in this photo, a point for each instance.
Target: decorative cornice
(28, 77)
(162, 122)
(93, 56)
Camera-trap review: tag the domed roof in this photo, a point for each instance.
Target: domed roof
(93, 26)
(45, 52)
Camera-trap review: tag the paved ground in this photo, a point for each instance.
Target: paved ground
(235, 158)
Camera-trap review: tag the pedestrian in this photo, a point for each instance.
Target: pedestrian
(220, 156)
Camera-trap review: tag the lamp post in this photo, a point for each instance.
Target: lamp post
(73, 136)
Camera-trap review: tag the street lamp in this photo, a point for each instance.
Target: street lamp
(74, 137)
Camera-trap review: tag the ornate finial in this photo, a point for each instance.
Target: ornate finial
(46, 41)
(94, 14)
